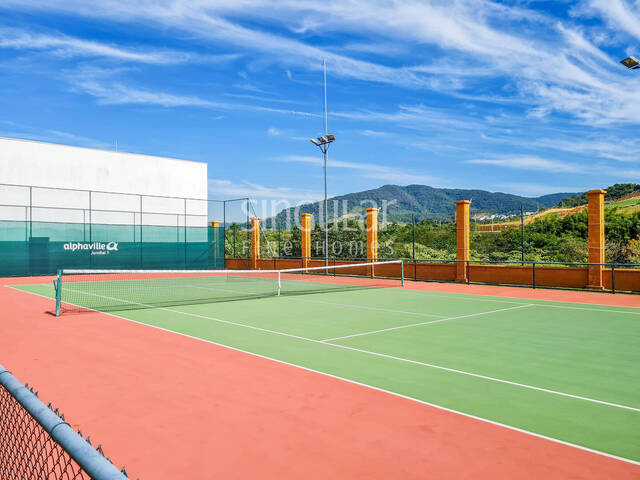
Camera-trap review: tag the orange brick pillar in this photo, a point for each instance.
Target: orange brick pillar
(596, 237)
(462, 239)
(213, 237)
(372, 236)
(305, 227)
(255, 242)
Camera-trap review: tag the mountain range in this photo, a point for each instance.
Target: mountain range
(422, 202)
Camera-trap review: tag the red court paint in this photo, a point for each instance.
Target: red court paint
(168, 406)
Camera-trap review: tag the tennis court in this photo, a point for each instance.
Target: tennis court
(560, 370)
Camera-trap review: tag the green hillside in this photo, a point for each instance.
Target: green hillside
(613, 193)
(424, 202)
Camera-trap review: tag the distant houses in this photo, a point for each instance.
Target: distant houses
(498, 216)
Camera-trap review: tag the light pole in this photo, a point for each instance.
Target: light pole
(323, 144)
(631, 63)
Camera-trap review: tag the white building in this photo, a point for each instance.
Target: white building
(44, 182)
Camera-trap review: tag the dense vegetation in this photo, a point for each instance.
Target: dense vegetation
(614, 192)
(551, 238)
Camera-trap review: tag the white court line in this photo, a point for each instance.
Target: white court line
(376, 354)
(544, 303)
(354, 382)
(373, 332)
(470, 297)
(379, 309)
(566, 307)
(460, 296)
(362, 307)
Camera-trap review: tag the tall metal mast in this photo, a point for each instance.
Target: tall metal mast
(326, 154)
(323, 144)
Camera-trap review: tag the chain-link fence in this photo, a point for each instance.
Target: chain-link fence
(44, 229)
(37, 443)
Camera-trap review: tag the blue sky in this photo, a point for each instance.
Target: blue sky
(519, 96)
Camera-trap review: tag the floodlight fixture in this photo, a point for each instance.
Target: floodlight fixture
(631, 63)
(315, 142)
(322, 140)
(331, 138)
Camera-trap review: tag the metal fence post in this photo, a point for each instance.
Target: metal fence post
(468, 271)
(522, 236)
(30, 212)
(90, 218)
(141, 255)
(613, 278)
(534, 275)
(413, 234)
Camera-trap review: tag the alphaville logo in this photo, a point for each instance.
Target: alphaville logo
(96, 248)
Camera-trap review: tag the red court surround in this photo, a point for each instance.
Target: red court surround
(171, 407)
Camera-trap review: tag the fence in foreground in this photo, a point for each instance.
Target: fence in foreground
(615, 277)
(37, 443)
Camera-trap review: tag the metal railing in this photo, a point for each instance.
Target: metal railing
(183, 208)
(37, 442)
(534, 267)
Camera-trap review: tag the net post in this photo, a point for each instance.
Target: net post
(279, 283)
(402, 272)
(58, 284)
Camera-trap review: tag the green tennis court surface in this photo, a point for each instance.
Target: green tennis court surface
(563, 370)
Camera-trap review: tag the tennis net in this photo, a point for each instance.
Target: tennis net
(114, 290)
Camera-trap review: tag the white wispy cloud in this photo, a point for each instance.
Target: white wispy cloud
(374, 133)
(98, 83)
(67, 46)
(620, 14)
(415, 117)
(587, 145)
(28, 132)
(623, 150)
(532, 163)
(369, 170)
(542, 64)
(538, 189)
(221, 188)
(551, 65)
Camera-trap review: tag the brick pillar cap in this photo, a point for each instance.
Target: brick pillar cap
(596, 191)
(371, 209)
(305, 214)
(462, 202)
(255, 218)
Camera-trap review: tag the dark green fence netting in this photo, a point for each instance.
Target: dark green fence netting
(41, 248)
